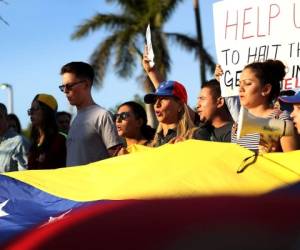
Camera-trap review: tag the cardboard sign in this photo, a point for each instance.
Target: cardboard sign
(249, 31)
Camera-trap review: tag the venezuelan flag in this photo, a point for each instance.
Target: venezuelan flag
(183, 170)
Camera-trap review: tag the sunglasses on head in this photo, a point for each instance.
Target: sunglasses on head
(69, 86)
(121, 116)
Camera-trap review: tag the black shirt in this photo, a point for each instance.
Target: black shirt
(201, 133)
(161, 139)
(222, 134)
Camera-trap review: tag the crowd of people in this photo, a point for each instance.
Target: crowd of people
(95, 134)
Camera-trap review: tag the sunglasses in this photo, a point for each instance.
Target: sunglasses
(31, 110)
(69, 86)
(121, 116)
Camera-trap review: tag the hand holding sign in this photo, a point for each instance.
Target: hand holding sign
(149, 49)
(218, 72)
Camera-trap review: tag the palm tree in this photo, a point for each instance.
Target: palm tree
(200, 40)
(126, 41)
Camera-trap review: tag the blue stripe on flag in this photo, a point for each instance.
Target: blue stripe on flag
(23, 206)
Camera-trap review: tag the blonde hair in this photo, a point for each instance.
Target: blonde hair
(185, 126)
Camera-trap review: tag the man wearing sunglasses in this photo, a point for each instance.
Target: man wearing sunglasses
(92, 135)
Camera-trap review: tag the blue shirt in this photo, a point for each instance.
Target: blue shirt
(13, 151)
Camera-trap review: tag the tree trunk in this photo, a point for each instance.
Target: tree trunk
(199, 37)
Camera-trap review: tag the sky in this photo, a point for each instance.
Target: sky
(37, 42)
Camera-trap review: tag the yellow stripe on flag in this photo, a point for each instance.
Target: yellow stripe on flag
(186, 169)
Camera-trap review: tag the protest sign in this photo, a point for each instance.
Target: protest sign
(249, 31)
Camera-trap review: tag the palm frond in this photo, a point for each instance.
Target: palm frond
(162, 57)
(138, 51)
(109, 21)
(1, 18)
(125, 54)
(4, 21)
(192, 44)
(131, 7)
(185, 41)
(100, 58)
(208, 60)
(128, 30)
(167, 8)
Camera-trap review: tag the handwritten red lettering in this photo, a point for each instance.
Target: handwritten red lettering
(258, 24)
(297, 84)
(291, 83)
(245, 23)
(273, 15)
(253, 21)
(231, 25)
(287, 83)
(294, 17)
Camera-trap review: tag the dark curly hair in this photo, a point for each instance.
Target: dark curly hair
(269, 72)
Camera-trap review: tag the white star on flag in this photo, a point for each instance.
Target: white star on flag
(2, 212)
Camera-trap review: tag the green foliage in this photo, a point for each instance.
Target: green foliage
(126, 41)
(139, 99)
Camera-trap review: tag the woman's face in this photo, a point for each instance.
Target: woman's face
(12, 124)
(36, 114)
(167, 110)
(128, 126)
(251, 92)
(296, 116)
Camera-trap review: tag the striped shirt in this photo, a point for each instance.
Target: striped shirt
(251, 141)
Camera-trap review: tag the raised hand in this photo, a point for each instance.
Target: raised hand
(146, 61)
(218, 72)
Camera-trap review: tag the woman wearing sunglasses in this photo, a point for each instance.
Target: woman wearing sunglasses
(48, 148)
(131, 123)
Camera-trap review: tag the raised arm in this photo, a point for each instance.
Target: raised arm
(152, 73)
(156, 78)
(232, 102)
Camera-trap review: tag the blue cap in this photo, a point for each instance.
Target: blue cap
(291, 99)
(168, 88)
